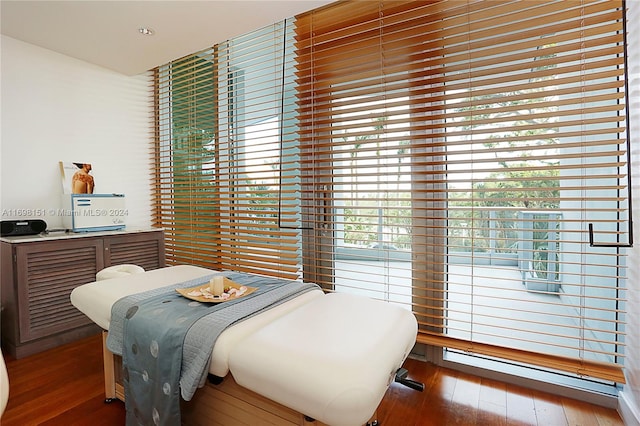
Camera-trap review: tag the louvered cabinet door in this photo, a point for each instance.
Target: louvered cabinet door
(46, 274)
(145, 249)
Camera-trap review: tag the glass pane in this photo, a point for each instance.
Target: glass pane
(372, 183)
(524, 180)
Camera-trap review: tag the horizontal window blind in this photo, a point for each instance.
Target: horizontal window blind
(222, 120)
(453, 155)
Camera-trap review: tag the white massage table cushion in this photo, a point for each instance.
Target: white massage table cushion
(96, 299)
(331, 359)
(229, 338)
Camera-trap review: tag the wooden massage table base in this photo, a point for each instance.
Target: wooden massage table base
(227, 403)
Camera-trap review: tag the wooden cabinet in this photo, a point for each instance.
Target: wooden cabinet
(39, 273)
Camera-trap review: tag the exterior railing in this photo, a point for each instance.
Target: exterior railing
(528, 239)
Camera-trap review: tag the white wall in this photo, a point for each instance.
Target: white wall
(56, 108)
(629, 406)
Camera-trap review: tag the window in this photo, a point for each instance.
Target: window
(472, 143)
(449, 157)
(223, 194)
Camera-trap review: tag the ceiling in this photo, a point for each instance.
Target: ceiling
(106, 32)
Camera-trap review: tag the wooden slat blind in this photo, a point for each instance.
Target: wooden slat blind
(221, 118)
(449, 149)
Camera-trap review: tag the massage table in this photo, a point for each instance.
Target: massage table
(316, 359)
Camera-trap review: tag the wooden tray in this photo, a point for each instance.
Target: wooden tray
(204, 288)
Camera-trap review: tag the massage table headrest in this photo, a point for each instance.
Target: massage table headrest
(118, 271)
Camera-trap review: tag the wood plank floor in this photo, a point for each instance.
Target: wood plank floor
(64, 386)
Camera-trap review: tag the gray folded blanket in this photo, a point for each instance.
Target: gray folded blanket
(166, 340)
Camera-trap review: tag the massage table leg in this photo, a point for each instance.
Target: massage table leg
(113, 388)
(109, 371)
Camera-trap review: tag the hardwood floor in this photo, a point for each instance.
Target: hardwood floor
(64, 386)
(455, 398)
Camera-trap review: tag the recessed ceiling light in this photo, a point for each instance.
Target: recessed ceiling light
(145, 31)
